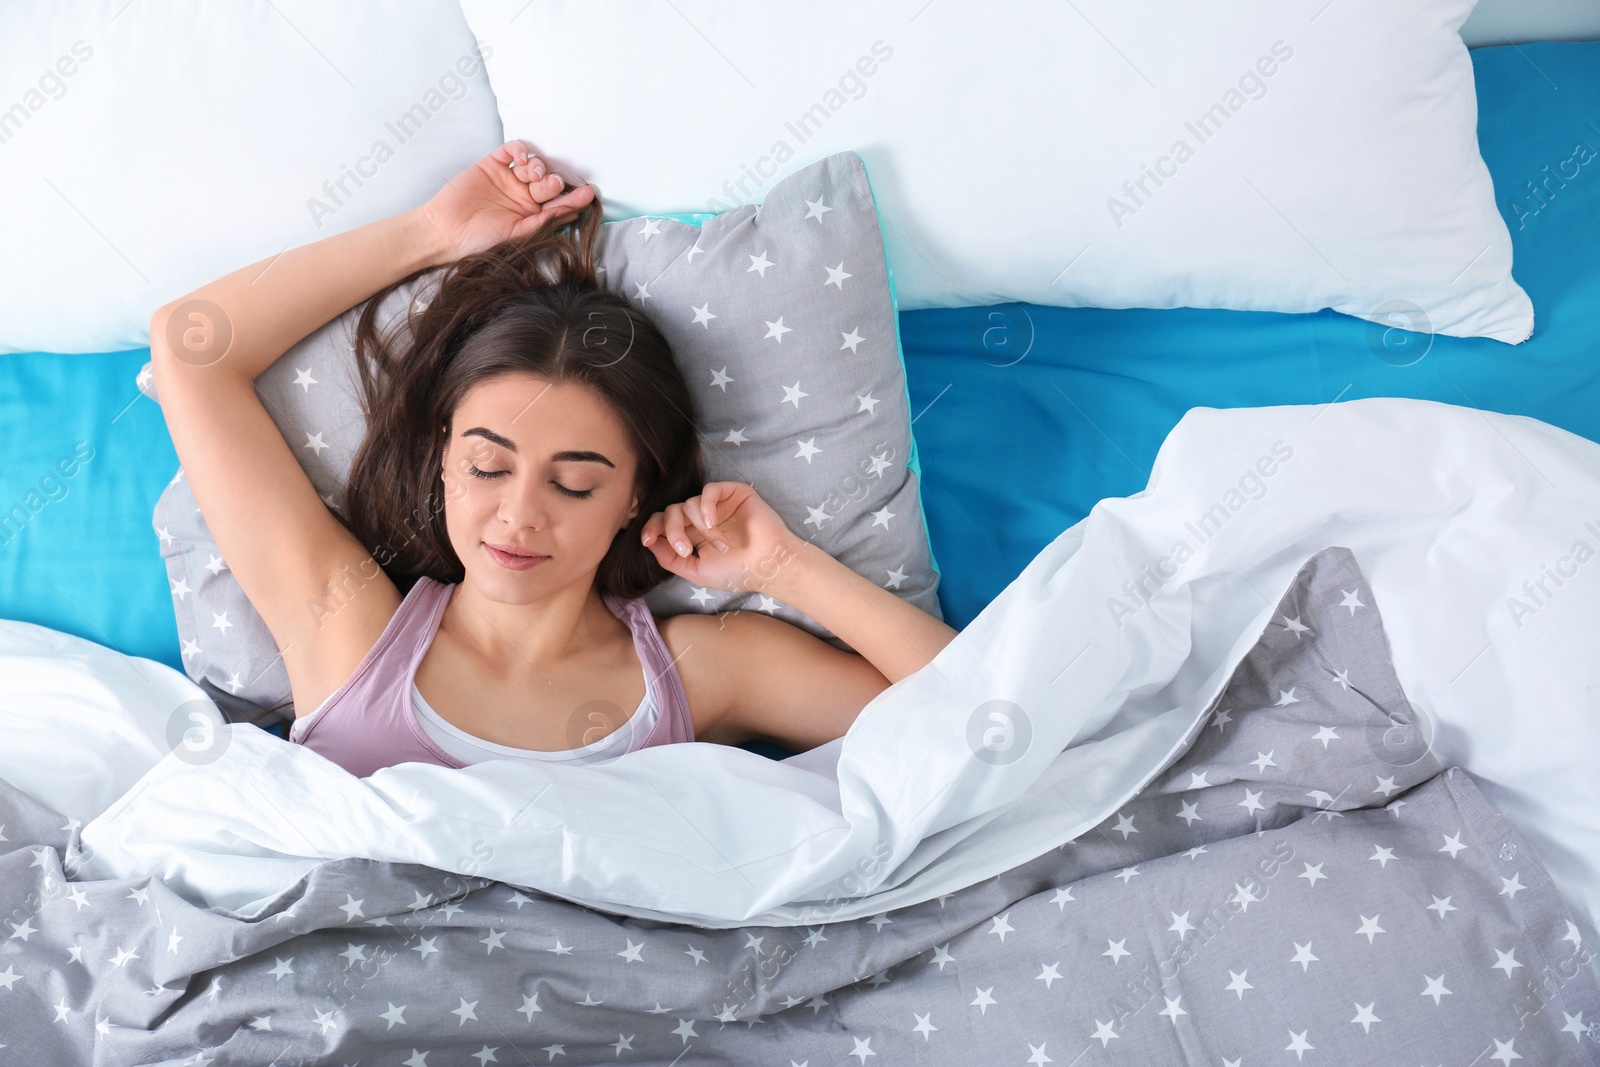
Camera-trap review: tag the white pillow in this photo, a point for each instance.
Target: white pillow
(1340, 169)
(146, 149)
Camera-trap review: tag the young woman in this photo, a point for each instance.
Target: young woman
(525, 478)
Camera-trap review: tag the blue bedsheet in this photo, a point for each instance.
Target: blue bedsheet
(1013, 450)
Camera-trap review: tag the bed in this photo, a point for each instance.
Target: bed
(1030, 420)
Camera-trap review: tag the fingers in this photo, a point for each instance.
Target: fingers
(693, 522)
(542, 184)
(520, 159)
(571, 201)
(702, 512)
(669, 525)
(510, 153)
(530, 169)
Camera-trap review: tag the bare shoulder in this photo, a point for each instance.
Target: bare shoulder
(699, 647)
(762, 677)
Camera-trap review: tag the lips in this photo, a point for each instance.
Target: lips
(511, 559)
(513, 550)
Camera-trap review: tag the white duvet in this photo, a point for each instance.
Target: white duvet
(1478, 532)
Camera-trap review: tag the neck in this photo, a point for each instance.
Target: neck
(519, 641)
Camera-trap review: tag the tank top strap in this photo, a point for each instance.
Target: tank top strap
(367, 723)
(675, 723)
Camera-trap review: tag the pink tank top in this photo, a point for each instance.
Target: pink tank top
(370, 722)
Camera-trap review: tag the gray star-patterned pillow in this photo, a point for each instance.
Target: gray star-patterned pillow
(782, 318)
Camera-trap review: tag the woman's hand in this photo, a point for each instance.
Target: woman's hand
(743, 544)
(504, 195)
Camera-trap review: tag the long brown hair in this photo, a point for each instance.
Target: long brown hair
(528, 305)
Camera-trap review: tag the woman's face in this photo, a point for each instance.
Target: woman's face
(542, 469)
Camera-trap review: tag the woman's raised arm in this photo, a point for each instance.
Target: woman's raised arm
(241, 323)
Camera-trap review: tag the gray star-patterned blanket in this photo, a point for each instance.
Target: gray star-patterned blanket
(1304, 879)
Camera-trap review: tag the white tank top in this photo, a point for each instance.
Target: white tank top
(469, 748)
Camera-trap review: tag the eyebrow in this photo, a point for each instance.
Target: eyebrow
(568, 456)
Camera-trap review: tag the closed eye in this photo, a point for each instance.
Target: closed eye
(581, 494)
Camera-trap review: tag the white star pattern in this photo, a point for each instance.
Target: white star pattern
(1506, 961)
(1505, 1051)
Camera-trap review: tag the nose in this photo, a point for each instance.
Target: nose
(520, 506)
